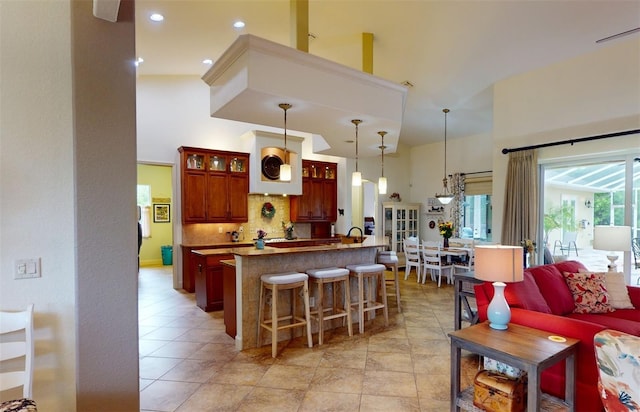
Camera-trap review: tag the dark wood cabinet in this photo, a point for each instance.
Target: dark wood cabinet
(215, 186)
(229, 288)
(319, 199)
(209, 281)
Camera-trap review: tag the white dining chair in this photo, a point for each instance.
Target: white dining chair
(468, 264)
(412, 256)
(20, 323)
(432, 260)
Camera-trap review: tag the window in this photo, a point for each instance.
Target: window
(475, 219)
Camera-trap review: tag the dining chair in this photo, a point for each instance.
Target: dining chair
(468, 264)
(434, 260)
(568, 239)
(20, 346)
(412, 256)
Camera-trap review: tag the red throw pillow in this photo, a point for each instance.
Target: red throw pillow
(526, 295)
(589, 292)
(553, 288)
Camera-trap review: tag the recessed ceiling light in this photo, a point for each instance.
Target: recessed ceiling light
(139, 61)
(156, 17)
(238, 24)
(207, 61)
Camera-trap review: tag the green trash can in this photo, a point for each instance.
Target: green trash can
(167, 255)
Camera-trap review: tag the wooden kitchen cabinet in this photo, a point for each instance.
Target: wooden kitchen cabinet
(215, 186)
(319, 199)
(209, 281)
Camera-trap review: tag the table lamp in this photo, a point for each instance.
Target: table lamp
(499, 264)
(613, 239)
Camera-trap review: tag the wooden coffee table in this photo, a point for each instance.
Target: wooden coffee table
(519, 346)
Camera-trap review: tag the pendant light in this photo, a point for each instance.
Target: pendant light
(382, 181)
(356, 177)
(445, 198)
(285, 168)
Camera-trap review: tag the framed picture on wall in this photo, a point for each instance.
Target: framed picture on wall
(161, 213)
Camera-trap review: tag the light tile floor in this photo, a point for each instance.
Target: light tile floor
(188, 362)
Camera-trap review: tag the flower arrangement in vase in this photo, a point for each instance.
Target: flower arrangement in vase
(288, 230)
(528, 250)
(260, 241)
(446, 231)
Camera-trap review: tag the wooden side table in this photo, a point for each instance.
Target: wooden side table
(526, 348)
(463, 289)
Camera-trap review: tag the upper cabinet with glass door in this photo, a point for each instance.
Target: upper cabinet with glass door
(214, 185)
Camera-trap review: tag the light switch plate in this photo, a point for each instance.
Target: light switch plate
(27, 268)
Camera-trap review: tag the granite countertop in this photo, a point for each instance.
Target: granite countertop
(252, 242)
(370, 241)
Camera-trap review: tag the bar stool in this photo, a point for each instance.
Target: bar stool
(374, 275)
(390, 260)
(280, 282)
(331, 276)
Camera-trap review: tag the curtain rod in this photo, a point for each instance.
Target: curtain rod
(571, 141)
(476, 173)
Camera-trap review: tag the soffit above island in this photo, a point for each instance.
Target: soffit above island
(254, 75)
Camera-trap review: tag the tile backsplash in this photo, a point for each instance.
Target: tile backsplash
(207, 233)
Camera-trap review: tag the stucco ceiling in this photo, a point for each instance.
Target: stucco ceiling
(451, 51)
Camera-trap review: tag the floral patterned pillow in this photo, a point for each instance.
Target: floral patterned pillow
(589, 292)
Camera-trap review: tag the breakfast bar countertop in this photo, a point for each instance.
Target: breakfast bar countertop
(369, 241)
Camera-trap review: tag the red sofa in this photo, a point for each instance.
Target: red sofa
(544, 301)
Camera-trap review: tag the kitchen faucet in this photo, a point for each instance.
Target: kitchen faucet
(355, 227)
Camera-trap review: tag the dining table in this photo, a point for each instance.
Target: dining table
(452, 251)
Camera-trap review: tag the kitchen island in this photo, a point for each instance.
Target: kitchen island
(251, 263)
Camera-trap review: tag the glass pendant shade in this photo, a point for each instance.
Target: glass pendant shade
(285, 168)
(356, 179)
(382, 185)
(382, 181)
(285, 172)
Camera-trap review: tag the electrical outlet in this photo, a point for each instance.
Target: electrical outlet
(219, 229)
(312, 301)
(27, 268)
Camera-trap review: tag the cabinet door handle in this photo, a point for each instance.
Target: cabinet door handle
(200, 267)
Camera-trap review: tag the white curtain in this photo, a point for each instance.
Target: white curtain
(145, 221)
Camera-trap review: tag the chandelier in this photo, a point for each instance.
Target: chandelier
(445, 197)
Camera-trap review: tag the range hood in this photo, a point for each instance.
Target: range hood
(254, 75)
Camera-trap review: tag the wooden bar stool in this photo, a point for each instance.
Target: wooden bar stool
(374, 275)
(331, 276)
(390, 260)
(280, 282)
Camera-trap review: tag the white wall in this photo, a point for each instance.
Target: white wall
(464, 155)
(589, 95)
(67, 196)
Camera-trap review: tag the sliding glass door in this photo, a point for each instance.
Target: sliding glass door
(578, 196)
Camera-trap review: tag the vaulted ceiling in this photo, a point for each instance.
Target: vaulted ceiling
(452, 52)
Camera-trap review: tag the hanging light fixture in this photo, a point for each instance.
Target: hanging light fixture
(356, 177)
(285, 168)
(445, 198)
(382, 181)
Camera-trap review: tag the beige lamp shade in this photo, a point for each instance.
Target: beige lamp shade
(499, 263)
(612, 238)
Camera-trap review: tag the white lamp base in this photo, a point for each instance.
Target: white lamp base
(612, 262)
(498, 312)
